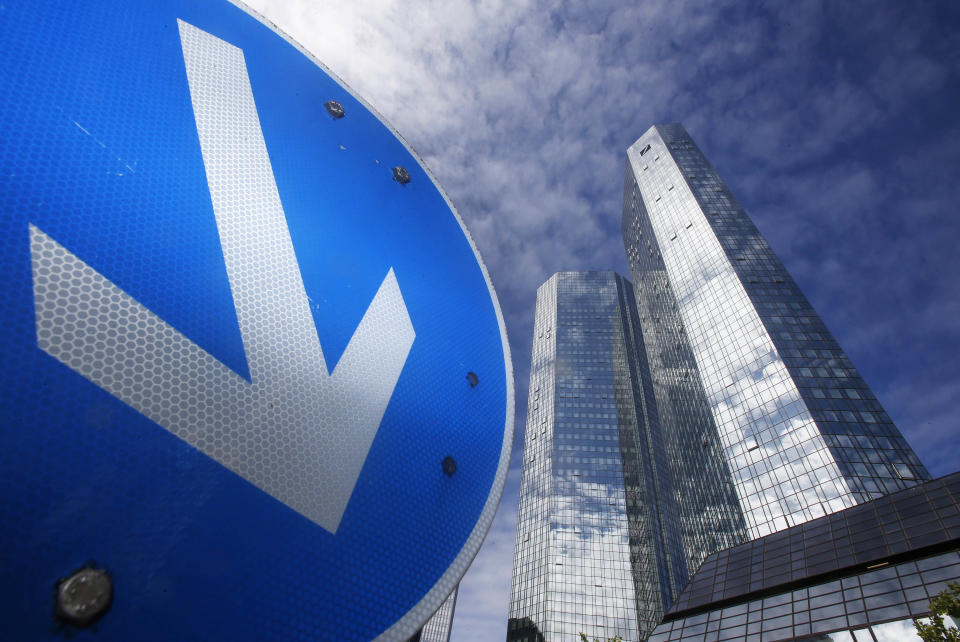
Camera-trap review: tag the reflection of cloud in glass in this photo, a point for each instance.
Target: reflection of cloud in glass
(902, 631)
(767, 431)
(786, 399)
(592, 577)
(572, 567)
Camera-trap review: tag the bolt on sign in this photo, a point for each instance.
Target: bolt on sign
(258, 384)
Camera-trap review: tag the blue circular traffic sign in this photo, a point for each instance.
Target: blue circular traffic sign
(256, 377)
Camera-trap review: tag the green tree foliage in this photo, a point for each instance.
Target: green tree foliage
(947, 603)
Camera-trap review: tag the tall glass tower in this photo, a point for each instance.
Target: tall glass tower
(733, 343)
(599, 547)
(704, 406)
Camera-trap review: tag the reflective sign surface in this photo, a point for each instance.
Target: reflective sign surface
(241, 356)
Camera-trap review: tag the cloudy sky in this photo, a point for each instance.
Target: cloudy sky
(835, 124)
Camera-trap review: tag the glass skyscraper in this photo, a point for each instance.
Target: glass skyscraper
(596, 551)
(797, 427)
(709, 407)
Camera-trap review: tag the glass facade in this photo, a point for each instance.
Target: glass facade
(704, 406)
(860, 574)
(708, 514)
(594, 547)
(849, 609)
(732, 338)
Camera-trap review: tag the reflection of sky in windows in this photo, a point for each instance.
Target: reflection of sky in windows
(708, 514)
(873, 606)
(800, 431)
(572, 568)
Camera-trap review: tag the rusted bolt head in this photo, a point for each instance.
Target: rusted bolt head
(401, 175)
(335, 109)
(84, 596)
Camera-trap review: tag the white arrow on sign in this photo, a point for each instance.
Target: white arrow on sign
(295, 430)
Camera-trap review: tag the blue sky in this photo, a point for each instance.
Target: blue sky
(834, 123)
